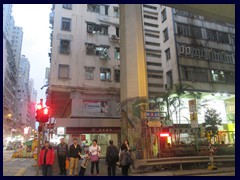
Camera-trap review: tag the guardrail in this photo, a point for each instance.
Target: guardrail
(143, 163)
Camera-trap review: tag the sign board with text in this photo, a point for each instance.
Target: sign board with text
(152, 114)
(154, 124)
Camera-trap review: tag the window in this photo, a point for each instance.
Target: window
(63, 71)
(229, 58)
(164, 15)
(150, 17)
(67, 6)
(117, 75)
(196, 32)
(106, 10)
(223, 37)
(211, 35)
(117, 53)
(169, 79)
(230, 77)
(90, 49)
(152, 43)
(168, 54)
(150, 7)
(89, 73)
(194, 74)
(183, 30)
(66, 24)
(97, 29)
(196, 52)
(187, 73)
(117, 31)
(93, 8)
(102, 51)
(65, 46)
(116, 11)
(218, 76)
(165, 34)
(151, 35)
(154, 64)
(151, 25)
(105, 74)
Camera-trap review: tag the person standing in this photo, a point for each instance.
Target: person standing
(123, 159)
(46, 159)
(111, 158)
(94, 152)
(62, 152)
(74, 154)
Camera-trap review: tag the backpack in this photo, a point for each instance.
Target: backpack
(113, 155)
(129, 159)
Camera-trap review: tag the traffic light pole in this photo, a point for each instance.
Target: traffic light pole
(38, 149)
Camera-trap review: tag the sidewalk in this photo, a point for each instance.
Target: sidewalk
(32, 171)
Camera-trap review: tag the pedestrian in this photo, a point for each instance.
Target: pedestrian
(62, 153)
(112, 158)
(46, 159)
(127, 144)
(94, 152)
(74, 155)
(123, 159)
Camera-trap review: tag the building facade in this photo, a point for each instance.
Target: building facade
(84, 79)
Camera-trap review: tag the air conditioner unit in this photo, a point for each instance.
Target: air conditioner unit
(114, 37)
(90, 29)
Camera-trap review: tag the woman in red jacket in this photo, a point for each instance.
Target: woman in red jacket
(46, 159)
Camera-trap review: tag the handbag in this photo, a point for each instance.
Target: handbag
(67, 164)
(94, 158)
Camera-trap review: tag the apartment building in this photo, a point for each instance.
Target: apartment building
(84, 78)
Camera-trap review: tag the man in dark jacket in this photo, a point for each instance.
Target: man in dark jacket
(74, 154)
(62, 152)
(112, 158)
(46, 159)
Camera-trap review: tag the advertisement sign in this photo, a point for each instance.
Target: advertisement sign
(60, 130)
(95, 106)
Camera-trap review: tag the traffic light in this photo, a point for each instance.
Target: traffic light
(45, 115)
(42, 114)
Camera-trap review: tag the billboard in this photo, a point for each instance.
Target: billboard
(95, 106)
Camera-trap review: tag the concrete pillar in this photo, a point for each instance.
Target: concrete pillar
(133, 80)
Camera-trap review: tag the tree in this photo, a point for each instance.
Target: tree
(212, 121)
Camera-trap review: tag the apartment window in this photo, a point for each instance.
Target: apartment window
(151, 25)
(196, 32)
(105, 74)
(230, 77)
(117, 75)
(150, 7)
(90, 49)
(168, 54)
(117, 53)
(150, 17)
(183, 30)
(116, 11)
(154, 64)
(151, 35)
(106, 10)
(65, 46)
(164, 15)
(66, 24)
(63, 71)
(223, 37)
(211, 35)
(165, 34)
(152, 43)
(169, 79)
(67, 6)
(200, 75)
(229, 58)
(102, 52)
(187, 73)
(97, 29)
(218, 76)
(93, 8)
(155, 85)
(196, 52)
(153, 55)
(89, 73)
(117, 31)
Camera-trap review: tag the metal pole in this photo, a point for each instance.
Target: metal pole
(38, 149)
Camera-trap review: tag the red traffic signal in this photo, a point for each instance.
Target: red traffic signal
(45, 111)
(42, 114)
(39, 106)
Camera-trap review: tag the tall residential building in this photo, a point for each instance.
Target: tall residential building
(84, 80)
(8, 21)
(22, 93)
(32, 103)
(179, 48)
(16, 41)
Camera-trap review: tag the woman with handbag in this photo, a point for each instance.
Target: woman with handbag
(94, 152)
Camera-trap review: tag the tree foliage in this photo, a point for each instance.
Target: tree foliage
(212, 121)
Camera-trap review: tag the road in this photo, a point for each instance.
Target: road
(15, 166)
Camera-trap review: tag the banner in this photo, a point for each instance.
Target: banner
(95, 106)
